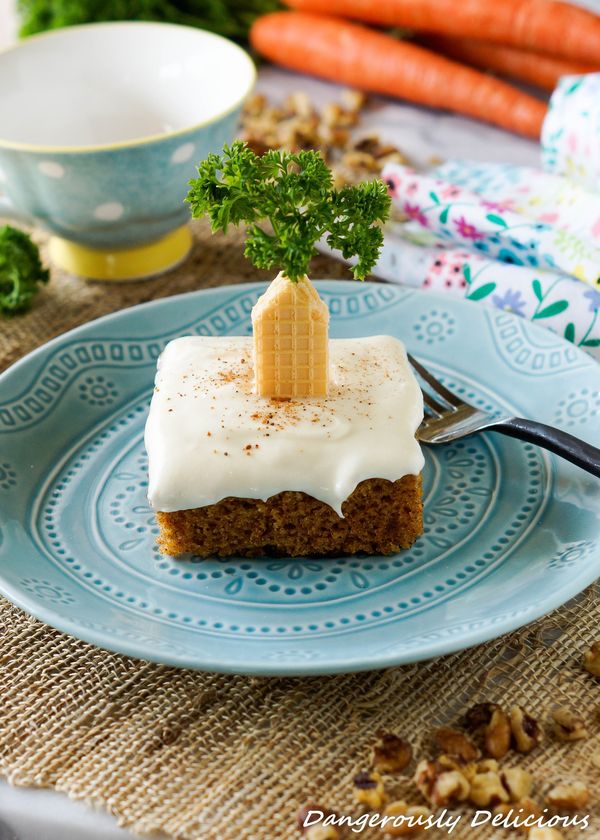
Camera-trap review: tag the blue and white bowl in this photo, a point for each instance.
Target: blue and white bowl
(101, 127)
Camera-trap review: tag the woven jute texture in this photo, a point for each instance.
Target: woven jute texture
(208, 757)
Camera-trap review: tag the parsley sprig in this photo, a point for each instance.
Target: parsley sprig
(295, 193)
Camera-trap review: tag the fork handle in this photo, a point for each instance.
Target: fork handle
(576, 451)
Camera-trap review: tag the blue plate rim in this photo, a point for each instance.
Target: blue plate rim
(466, 640)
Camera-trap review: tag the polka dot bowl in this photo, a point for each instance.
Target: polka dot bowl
(511, 532)
(102, 126)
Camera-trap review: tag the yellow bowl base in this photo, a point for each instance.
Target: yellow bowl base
(121, 264)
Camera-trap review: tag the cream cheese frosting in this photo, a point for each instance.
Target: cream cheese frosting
(209, 436)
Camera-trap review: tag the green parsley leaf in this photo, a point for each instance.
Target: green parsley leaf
(21, 271)
(294, 192)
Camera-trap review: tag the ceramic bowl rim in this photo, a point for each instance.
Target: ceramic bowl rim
(35, 148)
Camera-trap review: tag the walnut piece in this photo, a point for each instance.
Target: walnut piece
(321, 832)
(453, 762)
(591, 659)
(440, 786)
(522, 809)
(487, 790)
(497, 734)
(453, 742)
(488, 765)
(391, 753)
(297, 124)
(567, 726)
(417, 813)
(337, 138)
(255, 104)
(298, 104)
(545, 833)
(491, 723)
(517, 782)
(450, 786)
(568, 797)
(354, 100)
(361, 161)
(525, 730)
(369, 789)
(334, 114)
(479, 716)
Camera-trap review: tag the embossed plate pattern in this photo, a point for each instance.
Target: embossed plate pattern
(510, 532)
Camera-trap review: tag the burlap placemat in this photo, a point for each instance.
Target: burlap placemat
(189, 755)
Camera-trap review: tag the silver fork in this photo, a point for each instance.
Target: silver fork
(448, 418)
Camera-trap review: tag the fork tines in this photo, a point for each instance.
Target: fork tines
(446, 401)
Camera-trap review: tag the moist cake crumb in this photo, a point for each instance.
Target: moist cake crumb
(380, 517)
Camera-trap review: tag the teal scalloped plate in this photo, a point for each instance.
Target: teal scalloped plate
(510, 531)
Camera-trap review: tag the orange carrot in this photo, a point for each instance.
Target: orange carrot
(541, 70)
(359, 57)
(546, 26)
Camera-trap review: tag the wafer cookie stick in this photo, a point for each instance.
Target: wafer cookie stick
(290, 324)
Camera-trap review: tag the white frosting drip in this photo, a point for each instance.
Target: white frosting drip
(209, 436)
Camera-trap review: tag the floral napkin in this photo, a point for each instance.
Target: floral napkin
(562, 304)
(545, 197)
(571, 130)
(508, 236)
(489, 225)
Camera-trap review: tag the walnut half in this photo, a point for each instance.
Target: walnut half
(544, 833)
(440, 786)
(591, 659)
(453, 742)
(487, 790)
(567, 726)
(497, 734)
(391, 753)
(525, 730)
(414, 822)
(321, 832)
(523, 808)
(568, 797)
(369, 789)
(518, 783)
(490, 721)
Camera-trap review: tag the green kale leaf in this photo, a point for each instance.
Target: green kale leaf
(21, 271)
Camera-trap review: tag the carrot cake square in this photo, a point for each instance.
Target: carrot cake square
(286, 443)
(233, 473)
